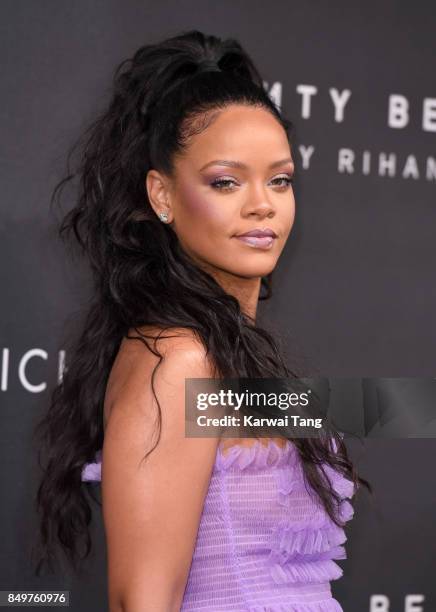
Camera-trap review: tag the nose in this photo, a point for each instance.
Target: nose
(258, 204)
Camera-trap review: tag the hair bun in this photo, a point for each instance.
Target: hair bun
(191, 69)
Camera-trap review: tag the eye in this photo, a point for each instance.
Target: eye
(222, 184)
(288, 180)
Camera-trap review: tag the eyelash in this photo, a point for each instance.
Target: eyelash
(216, 184)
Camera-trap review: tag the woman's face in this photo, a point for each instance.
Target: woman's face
(232, 179)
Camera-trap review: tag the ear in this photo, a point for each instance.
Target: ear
(158, 190)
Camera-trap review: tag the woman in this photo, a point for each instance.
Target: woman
(185, 206)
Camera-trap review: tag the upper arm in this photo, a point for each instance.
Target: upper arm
(152, 510)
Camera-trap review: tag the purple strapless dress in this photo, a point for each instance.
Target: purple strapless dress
(264, 543)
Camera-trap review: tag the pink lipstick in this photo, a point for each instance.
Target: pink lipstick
(258, 238)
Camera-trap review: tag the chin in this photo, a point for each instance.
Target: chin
(253, 271)
(254, 266)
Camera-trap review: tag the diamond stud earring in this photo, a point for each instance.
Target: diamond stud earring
(163, 216)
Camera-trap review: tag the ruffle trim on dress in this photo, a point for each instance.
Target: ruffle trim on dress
(257, 456)
(91, 472)
(327, 605)
(290, 541)
(315, 570)
(304, 550)
(343, 486)
(290, 477)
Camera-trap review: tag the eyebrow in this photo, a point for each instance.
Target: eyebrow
(239, 164)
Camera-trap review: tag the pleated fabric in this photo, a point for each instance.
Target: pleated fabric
(264, 542)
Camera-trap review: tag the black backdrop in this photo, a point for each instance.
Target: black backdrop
(354, 289)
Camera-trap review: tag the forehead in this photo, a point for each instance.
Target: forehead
(250, 134)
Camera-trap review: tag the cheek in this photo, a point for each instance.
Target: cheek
(201, 210)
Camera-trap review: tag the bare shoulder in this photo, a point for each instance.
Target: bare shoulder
(175, 354)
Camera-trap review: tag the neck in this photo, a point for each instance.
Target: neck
(245, 290)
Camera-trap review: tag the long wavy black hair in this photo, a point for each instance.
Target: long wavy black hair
(162, 96)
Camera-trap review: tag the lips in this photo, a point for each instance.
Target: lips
(259, 233)
(260, 239)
